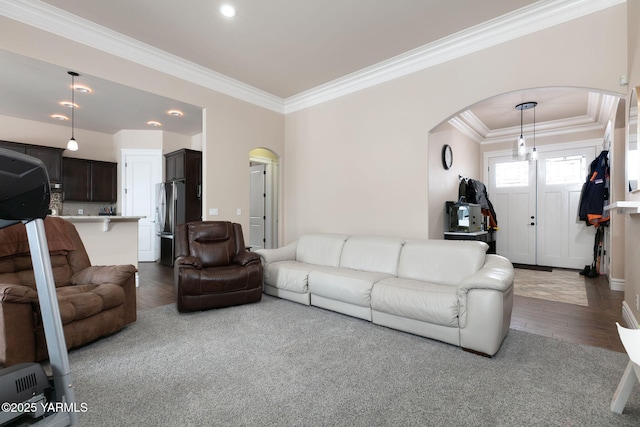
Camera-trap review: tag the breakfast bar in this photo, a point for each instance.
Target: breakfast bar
(108, 239)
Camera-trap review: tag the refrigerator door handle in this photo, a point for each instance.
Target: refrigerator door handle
(161, 209)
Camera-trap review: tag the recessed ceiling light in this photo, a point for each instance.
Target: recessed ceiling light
(154, 123)
(228, 10)
(68, 104)
(176, 113)
(83, 89)
(59, 117)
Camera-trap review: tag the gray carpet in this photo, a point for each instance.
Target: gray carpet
(278, 363)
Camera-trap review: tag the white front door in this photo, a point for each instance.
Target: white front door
(142, 171)
(536, 205)
(512, 191)
(563, 240)
(257, 214)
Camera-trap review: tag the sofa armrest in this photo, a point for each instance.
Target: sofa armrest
(485, 304)
(188, 261)
(18, 294)
(285, 253)
(245, 257)
(496, 274)
(99, 274)
(17, 340)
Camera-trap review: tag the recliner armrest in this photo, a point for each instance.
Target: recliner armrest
(18, 294)
(100, 274)
(244, 258)
(189, 261)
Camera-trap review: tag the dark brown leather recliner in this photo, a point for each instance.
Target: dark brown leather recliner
(213, 269)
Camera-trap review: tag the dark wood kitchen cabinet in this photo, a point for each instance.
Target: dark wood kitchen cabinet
(89, 180)
(183, 164)
(50, 156)
(104, 181)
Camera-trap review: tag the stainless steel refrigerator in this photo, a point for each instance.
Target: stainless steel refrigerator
(170, 211)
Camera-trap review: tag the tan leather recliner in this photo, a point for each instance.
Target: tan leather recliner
(213, 269)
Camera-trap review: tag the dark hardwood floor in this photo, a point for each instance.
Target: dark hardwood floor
(591, 325)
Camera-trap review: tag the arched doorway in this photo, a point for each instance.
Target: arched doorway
(537, 212)
(263, 199)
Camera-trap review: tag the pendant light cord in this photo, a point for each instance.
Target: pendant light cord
(521, 118)
(73, 105)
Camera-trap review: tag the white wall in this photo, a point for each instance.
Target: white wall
(360, 164)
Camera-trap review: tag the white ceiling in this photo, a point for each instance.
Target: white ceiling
(285, 47)
(278, 47)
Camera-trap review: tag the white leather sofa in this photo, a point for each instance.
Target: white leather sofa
(447, 290)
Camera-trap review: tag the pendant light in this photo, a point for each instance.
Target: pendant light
(520, 146)
(72, 145)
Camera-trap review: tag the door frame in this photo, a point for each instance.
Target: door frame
(271, 199)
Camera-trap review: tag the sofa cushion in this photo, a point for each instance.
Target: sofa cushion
(446, 262)
(418, 300)
(83, 301)
(377, 254)
(289, 275)
(320, 249)
(345, 285)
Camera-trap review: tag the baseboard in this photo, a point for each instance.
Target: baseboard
(616, 284)
(629, 318)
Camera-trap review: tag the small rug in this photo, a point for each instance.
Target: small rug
(558, 285)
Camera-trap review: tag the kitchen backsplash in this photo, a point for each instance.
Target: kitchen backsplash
(56, 203)
(92, 209)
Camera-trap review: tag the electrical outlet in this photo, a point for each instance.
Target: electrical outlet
(80, 211)
(213, 211)
(637, 302)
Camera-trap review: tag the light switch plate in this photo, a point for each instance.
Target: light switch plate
(238, 211)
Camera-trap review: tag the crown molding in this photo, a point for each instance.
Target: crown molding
(59, 22)
(538, 16)
(535, 17)
(600, 108)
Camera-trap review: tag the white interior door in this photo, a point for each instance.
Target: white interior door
(257, 211)
(142, 171)
(512, 191)
(563, 240)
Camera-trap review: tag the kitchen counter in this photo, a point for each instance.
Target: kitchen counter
(109, 240)
(104, 219)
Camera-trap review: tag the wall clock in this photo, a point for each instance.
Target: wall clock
(447, 156)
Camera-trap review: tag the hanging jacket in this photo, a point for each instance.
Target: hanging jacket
(595, 192)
